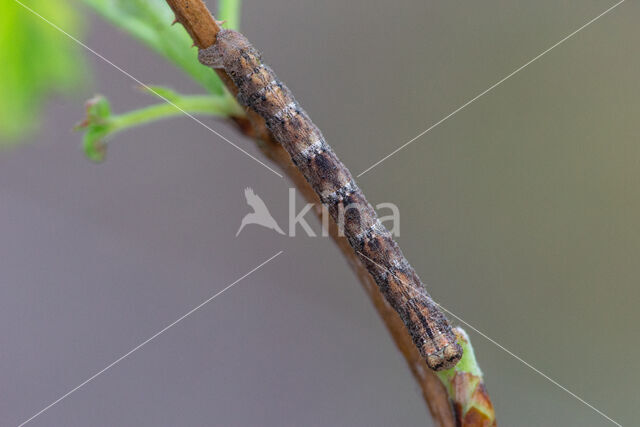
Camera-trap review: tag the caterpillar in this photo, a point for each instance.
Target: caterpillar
(260, 90)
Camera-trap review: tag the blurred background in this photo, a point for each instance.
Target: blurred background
(520, 213)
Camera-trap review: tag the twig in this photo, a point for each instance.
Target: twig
(202, 27)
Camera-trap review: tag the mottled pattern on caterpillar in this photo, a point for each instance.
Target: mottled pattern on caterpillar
(260, 90)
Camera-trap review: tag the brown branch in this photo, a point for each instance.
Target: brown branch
(197, 20)
(203, 28)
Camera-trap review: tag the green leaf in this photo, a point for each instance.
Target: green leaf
(229, 12)
(37, 60)
(149, 22)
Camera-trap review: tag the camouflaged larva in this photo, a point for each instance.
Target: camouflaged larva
(260, 90)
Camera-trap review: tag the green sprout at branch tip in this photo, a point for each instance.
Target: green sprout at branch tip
(465, 387)
(100, 123)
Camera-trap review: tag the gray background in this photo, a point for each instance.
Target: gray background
(521, 213)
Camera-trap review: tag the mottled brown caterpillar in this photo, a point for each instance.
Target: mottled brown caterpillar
(260, 90)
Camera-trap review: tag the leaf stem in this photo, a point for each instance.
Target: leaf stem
(222, 106)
